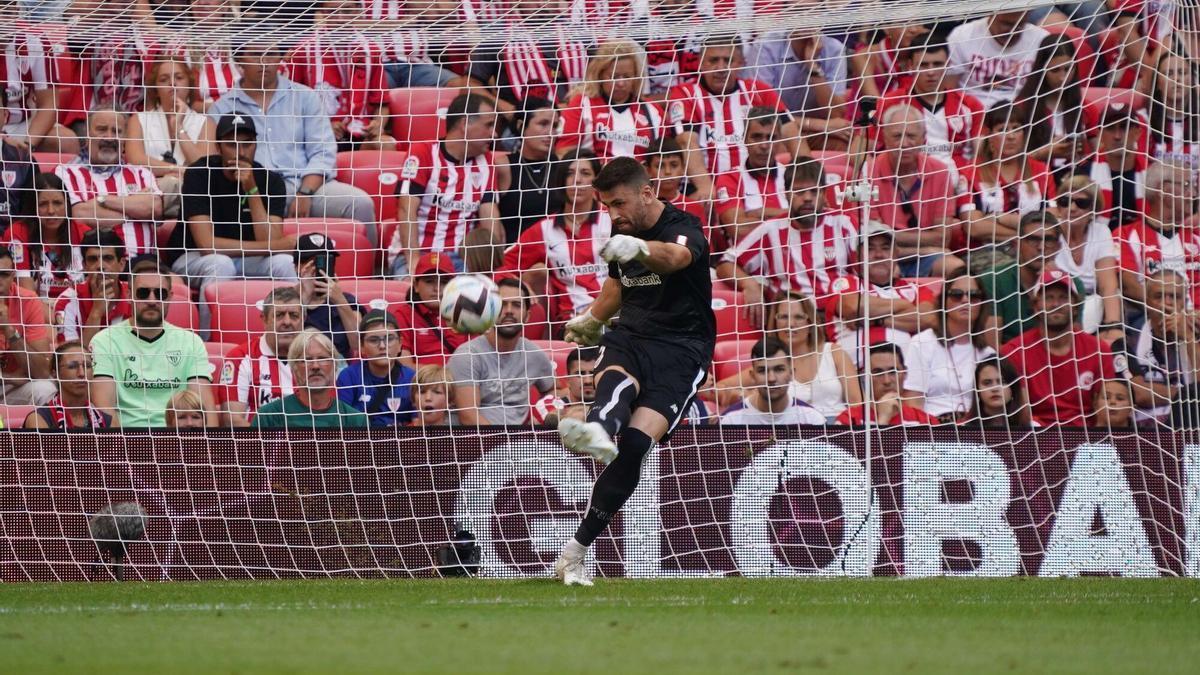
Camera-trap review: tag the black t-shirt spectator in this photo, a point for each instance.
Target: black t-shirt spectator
(325, 318)
(1124, 197)
(529, 198)
(208, 192)
(16, 198)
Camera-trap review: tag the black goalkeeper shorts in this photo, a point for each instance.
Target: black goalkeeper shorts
(669, 372)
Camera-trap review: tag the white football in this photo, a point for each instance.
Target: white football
(470, 304)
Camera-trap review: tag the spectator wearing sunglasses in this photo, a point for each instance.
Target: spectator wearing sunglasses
(378, 384)
(143, 362)
(1088, 254)
(942, 359)
(25, 341)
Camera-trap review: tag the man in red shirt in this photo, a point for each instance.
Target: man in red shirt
(25, 348)
(423, 334)
(1162, 239)
(257, 371)
(754, 192)
(885, 374)
(102, 299)
(1062, 366)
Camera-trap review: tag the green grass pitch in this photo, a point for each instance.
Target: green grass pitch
(960, 626)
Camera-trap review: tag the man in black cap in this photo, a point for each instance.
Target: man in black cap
(231, 216)
(377, 383)
(326, 307)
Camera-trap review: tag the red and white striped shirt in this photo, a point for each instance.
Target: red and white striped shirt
(115, 72)
(950, 128)
(849, 334)
(253, 375)
(347, 74)
(573, 260)
(528, 72)
(1145, 250)
(719, 119)
(72, 307)
(450, 192)
(25, 69)
(84, 183)
(610, 131)
(794, 260)
(751, 190)
(1020, 196)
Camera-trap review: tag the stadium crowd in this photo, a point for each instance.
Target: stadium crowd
(992, 223)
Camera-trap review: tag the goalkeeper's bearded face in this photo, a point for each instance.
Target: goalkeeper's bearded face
(629, 207)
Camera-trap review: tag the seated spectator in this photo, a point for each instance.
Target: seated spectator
(141, 363)
(800, 254)
(885, 406)
(953, 118)
(327, 307)
(666, 165)
(1087, 251)
(1125, 53)
(1009, 286)
(314, 404)
(896, 308)
(295, 138)
(919, 197)
(883, 61)
(212, 61)
(607, 115)
(1004, 183)
(561, 254)
(574, 399)
(186, 410)
(671, 59)
(493, 373)
(46, 262)
(707, 115)
(25, 341)
(1161, 355)
(1163, 239)
(999, 399)
(770, 400)
(231, 217)
(809, 72)
(527, 200)
(102, 298)
(344, 66)
(424, 334)
(1119, 167)
(482, 252)
(378, 384)
(992, 56)
(16, 194)
(71, 408)
(30, 95)
(942, 359)
(169, 135)
(1061, 365)
(431, 395)
(408, 58)
(448, 186)
(754, 192)
(108, 194)
(1052, 98)
(1173, 115)
(257, 372)
(1112, 406)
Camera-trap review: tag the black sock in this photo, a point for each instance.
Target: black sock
(613, 405)
(614, 485)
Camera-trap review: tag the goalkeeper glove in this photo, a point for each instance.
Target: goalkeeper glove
(584, 329)
(623, 248)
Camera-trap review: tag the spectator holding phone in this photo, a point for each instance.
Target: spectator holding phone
(327, 307)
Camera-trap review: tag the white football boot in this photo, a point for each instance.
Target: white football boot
(572, 570)
(587, 438)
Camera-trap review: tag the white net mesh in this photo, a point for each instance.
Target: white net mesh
(953, 250)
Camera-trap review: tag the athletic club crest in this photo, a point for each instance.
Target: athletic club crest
(174, 358)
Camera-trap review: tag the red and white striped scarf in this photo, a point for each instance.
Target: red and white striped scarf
(528, 72)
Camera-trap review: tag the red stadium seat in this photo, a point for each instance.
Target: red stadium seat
(723, 295)
(237, 309)
(368, 292)
(357, 257)
(14, 416)
(1097, 99)
(418, 113)
(733, 322)
(558, 351)
(375, 172)
(162, 233)
(1085, 55)
(836, 165)
(48, 160)
(219, 348)
(731, 357)
(181, 311)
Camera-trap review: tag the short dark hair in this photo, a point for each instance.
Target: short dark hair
(147, 265)
(622, 171)
(804, 169)
(663, 147)
(529, 105)
(582, 354)
(767, 347)
(761, 114)
(888, 348)
(465, 105)
(1040, 218)
(562, 166)
(926, 42)
(513, 282)
(96, 238)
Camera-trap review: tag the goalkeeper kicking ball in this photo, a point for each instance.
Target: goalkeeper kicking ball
(470, 304)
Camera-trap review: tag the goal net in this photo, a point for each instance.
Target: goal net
(952, 247)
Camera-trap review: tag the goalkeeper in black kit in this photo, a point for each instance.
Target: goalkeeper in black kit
(657, 353)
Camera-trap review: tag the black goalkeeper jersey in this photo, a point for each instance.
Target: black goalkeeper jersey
(676, 306)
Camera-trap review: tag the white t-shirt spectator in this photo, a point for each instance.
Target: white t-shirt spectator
(943, 372)
(797, 412)
(1097, 246)
(988, 70)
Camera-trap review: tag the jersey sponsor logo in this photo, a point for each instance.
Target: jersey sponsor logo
(613, 136)
(572, 271)
(651, 279)
(447, 203)
(725, 139)
(132, 380)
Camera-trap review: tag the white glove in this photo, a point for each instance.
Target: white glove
(584, 329)
(623, 248)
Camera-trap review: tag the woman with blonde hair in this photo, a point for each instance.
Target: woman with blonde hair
(606, 114)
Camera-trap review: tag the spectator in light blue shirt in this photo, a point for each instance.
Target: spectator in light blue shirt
(809, 72)
(378, 384)
(295, 138)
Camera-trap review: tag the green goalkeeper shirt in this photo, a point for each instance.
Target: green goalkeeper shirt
(148, 372)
